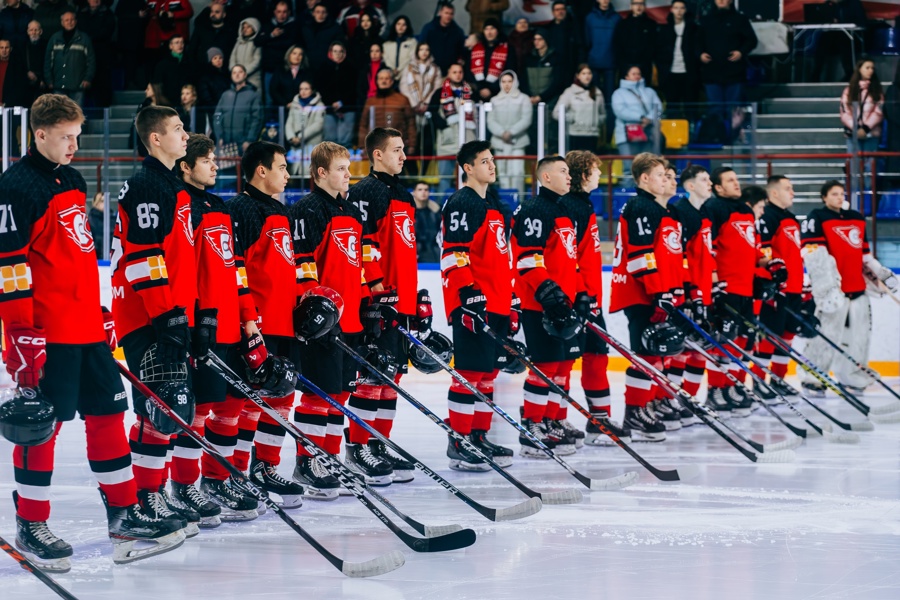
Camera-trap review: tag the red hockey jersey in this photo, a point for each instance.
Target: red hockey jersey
(779, 236)
(648, 257)
(844, 235)
(577, 205)
(696, 239)
(389, 236)
(328, 235)
(48, 264)
(153, 265)
(735, 243)
(475, 250)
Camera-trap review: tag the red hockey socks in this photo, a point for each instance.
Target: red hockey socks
(693, 374)
(311, 417)
(484, 413)
(537, 393)
(149, 449)
(780, 360)
(185, 467)
(639, 389)
(247, 424)
(33, 469)
(335, 431)
(110, 458)
(562, 379)
(269, 434)
(461, 402)
(221, 432)
(365, 402)
(595, 381)
(387, 409)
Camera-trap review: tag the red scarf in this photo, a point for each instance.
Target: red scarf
(449, 95)
(498, 62)
(374, 67)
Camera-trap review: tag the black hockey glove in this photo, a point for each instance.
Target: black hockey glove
(554, 301)
(378, 313)
(173, 337)
(424, 314)
(205, 324)
(473, 307)
(778, 270)
(585, 305)
(719, 292)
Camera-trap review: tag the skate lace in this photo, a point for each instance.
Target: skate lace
(646, 416)
(366, 456)
(272, 474)
(140, 515)
(194, 496)
(158, 504)
(42, 533)
(318, 468)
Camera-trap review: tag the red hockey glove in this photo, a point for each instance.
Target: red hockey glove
(719, 291)
(26, 354)
(515, 314)
(424, 313)
(253, 350)
(663, 306)
(778, 270)
(109, 326)
(473, 308)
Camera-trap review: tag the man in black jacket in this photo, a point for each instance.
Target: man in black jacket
(336, 81)
(567, 37)
(634, 41)
(277, 34)
(318, 33)
(726, 39)
(99, 23)
(211, 31)
(677, 59)
(34, 51)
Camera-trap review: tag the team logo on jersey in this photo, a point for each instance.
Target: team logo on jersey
(405, 227)
(184, 217)
(850, 234)
(595, 235)
(75, 224)
(671, 237)
(499, 233)
(792, 232)
(747, 231)
(283, 244)
(348, 241)
(220, 239)
(567, 236)
(706, 236)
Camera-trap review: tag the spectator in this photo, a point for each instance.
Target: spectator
(634, 40)
(168, 18)
(286, 81)
(305, 14)
(337, 84)
(213, 81)
(95, 220)
(14, 21)
(400, 47)
(35, 51)
(69, 65)
(174, 71)
(419, 81)
(445, 38)
(187, 110)
(99, 23)
(239, 115)
(542, 74)
(585, 111)
(836, 43)
(677, 60)
(367, 85)
(428, 224)
(508, 122)
(13, 81)
(349, 17)
(48, 13)
(238, 10)
(388, 108)
(246, 53)
(892, 113)
(304, 127)
(489, 57)
(318, 33)
(482, 10)
(278, 34)
(598, 31)
(862, 104)
(566, 35)
(132, 17)
(211, 31)
(361, 42)
(521, 40)
(638, 105)
(726, 39)
(451, 108)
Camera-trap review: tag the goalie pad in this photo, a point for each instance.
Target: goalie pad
(825, 280)
(874, 273)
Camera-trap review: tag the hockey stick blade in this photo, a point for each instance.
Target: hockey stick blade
(782, 456)
(893, 417)
(433, 531)
(518, 511)
(884, 409)
(614, 483)
(32, 568)
(844, 437)
(561, 497)
(443, 543)
(788, 444)
(377, 566)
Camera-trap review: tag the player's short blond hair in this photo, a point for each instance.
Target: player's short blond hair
(52, 109)
(644, 163)
(323, 155)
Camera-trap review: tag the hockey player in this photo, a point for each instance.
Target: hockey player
(54, 326)
(837, 256)
(389, 261)
(328, 233)
(263, 237)
(477, 284)
(584, 171)
(646, 277)
(545, 251)
(222, 286)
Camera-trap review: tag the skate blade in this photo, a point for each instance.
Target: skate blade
(601, 440)
(529, 452)
(124, 551)
(210, 522)
(403, 476)
(311, 493)
(289, 502)
(50, 565)
(579, 443)
(458, 465)
(564, 450)
(238, 516)
(503, 461)
(648, 437)
(192, 529)
(672, 425)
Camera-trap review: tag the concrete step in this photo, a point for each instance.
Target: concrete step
(96, 141)
(115, 126)
(824, 148)
(798, 121)
(801, 137)
(801, 106)
(123, 111)
(129, 97)
(803, 90)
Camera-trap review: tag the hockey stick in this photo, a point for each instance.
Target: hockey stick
(591, 484)
(892, 407)
(370, 568)
(518, 511)
(732, 358)
(845, 438)
(685, 473)
(708, 416)
(884, 288)
(34, 570)
(454, 539)
(562, 497)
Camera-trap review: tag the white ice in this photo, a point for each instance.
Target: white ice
(826, 526)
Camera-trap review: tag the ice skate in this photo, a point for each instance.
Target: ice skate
(716, 400)
(191, 516)
(813, 390)
(500, 454)
(462, 459)
(741, 403)
(594, 437)
(131, 528)
(572, 432)
(361, 460)
(186, 497)
(235, 505)
(565, 445)
(265, 476)
(528, 448)
(317, 482)
(644, 425)
(404, 471)
(667, 413)
(39, 545)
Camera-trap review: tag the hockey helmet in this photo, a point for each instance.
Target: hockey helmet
(154, 371)
(508, 363)
(764, 289)
(275, 379)
(28, 418)
(663, 339)
(382, 360)
(317, 313)
(724, 327)
(438, 343)
(178, 397)
(565, 327)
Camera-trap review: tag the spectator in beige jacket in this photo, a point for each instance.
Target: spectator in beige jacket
(585, 111)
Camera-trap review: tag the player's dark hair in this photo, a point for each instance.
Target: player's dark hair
(259, 153)
(717, 173)
(690, 172)
(198, 146)
(753, 194)
(51, 109)
(546, 162)
(775, 179)
(644, 163)
(378, 139)
(152, 119)
(468, 152)
(581, 163)
(421, 182)
(826, 187)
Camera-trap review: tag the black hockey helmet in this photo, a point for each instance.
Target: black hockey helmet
(317, 313)
(663, 339)
(564, 328)
(724, 326)
(28, 418)
(764, 289)
(508, 363)
(438, 343)
(275, 379)
(177, 396)
(382, 360)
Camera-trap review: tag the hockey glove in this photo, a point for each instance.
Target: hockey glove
(515, 314)
(26, 354)
(473, 307)
(555, 303)
(173, 337)
(719, 291)
(109, 327)
(585, 305)
(424, 314)
(205, 324)
(378, 313)
(663, 306)
(778, 270)
(254, 352)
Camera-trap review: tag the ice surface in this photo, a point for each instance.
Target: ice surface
(824, 526)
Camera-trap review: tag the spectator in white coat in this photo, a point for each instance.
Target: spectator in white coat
(304, 127)
(634, 104)
(246, 53)
(419, 80)
(585, 110)
(508, 122)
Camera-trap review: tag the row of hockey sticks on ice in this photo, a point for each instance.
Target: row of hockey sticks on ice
(847, 437)
(559, 497)
(34, 570)
(376, 566)
(728, 358)
(518, 511)
(441, 539)
(893, 406)
(611, 483)
(681, 474)
(706, 415)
